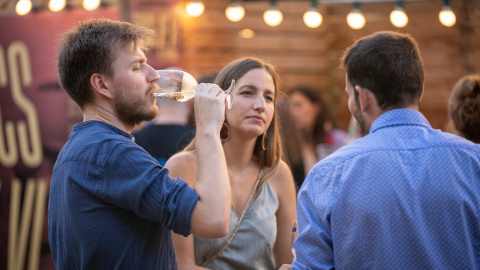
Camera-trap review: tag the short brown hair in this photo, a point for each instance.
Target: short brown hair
(464, 107)
(389, 65)
(90, 47)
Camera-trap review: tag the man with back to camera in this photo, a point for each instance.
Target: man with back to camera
(404, 196)
(112, 206)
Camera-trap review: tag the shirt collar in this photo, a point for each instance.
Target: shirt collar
(90, 123)
(399, 117)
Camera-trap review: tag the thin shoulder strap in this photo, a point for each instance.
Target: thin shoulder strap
(247, 205)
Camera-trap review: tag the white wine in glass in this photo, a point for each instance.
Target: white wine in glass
(179, 86)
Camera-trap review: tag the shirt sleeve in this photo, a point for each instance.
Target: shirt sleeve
(135, 181)
(313, 247)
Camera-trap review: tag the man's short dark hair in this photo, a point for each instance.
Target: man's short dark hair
(389, 65)
(90, 48)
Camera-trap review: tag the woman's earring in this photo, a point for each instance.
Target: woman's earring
(225, 132)
(264, 141)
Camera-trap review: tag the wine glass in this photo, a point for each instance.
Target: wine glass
(293, 235)
(179, 86)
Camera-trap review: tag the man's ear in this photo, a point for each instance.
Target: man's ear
(364, 98)
(100, 85)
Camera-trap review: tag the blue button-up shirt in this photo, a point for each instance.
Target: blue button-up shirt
(405, 196)
(112, 206)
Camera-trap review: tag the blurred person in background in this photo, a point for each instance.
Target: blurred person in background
(464, 107)
(316, 132)
(263, 197)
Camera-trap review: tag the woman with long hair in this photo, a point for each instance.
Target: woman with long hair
(263, 191)
(315, 130)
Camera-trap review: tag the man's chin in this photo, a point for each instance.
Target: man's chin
(139, 119)
(154, 114)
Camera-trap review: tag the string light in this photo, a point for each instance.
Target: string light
(446, 15)
(90, 5)
(56, 5)
(398, 17)
(23, 7)
(273, 16)
(355, 18)
(195, 8)
(235, 12)
(312, 18)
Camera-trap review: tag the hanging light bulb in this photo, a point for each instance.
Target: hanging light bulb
(90, 5)
(195, 8)
(23, 7)
(56, 5)
(235, 12)
(446, 16)
(398, 16)
(312, 18)
(355, 18)
(273, 16)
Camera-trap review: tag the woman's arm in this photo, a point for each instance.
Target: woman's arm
(184, 251)
(212, 182)
(283, 184)
(183, 165)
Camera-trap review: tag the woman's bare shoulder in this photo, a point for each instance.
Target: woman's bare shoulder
(181, 158)
(282, 172)
(282, 179)
(183, 165)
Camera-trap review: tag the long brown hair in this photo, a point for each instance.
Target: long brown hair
(271, 156)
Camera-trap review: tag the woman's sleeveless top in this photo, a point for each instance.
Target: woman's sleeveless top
(252, 246)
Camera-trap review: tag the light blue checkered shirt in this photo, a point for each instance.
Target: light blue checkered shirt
(405, 196)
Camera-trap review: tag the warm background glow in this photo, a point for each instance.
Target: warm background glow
(447, 17)
(398, 18)
(273, 17)
(355, 19)
(312, 18)
(90, 4)
(235, 12)
(195, 9)
(23, 7)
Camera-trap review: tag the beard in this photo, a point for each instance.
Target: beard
(132, 110)
(361, 123)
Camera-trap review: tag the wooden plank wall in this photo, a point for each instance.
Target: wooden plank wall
(311, 56)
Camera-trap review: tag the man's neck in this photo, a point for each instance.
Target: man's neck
(99, 113)
(174, 120)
